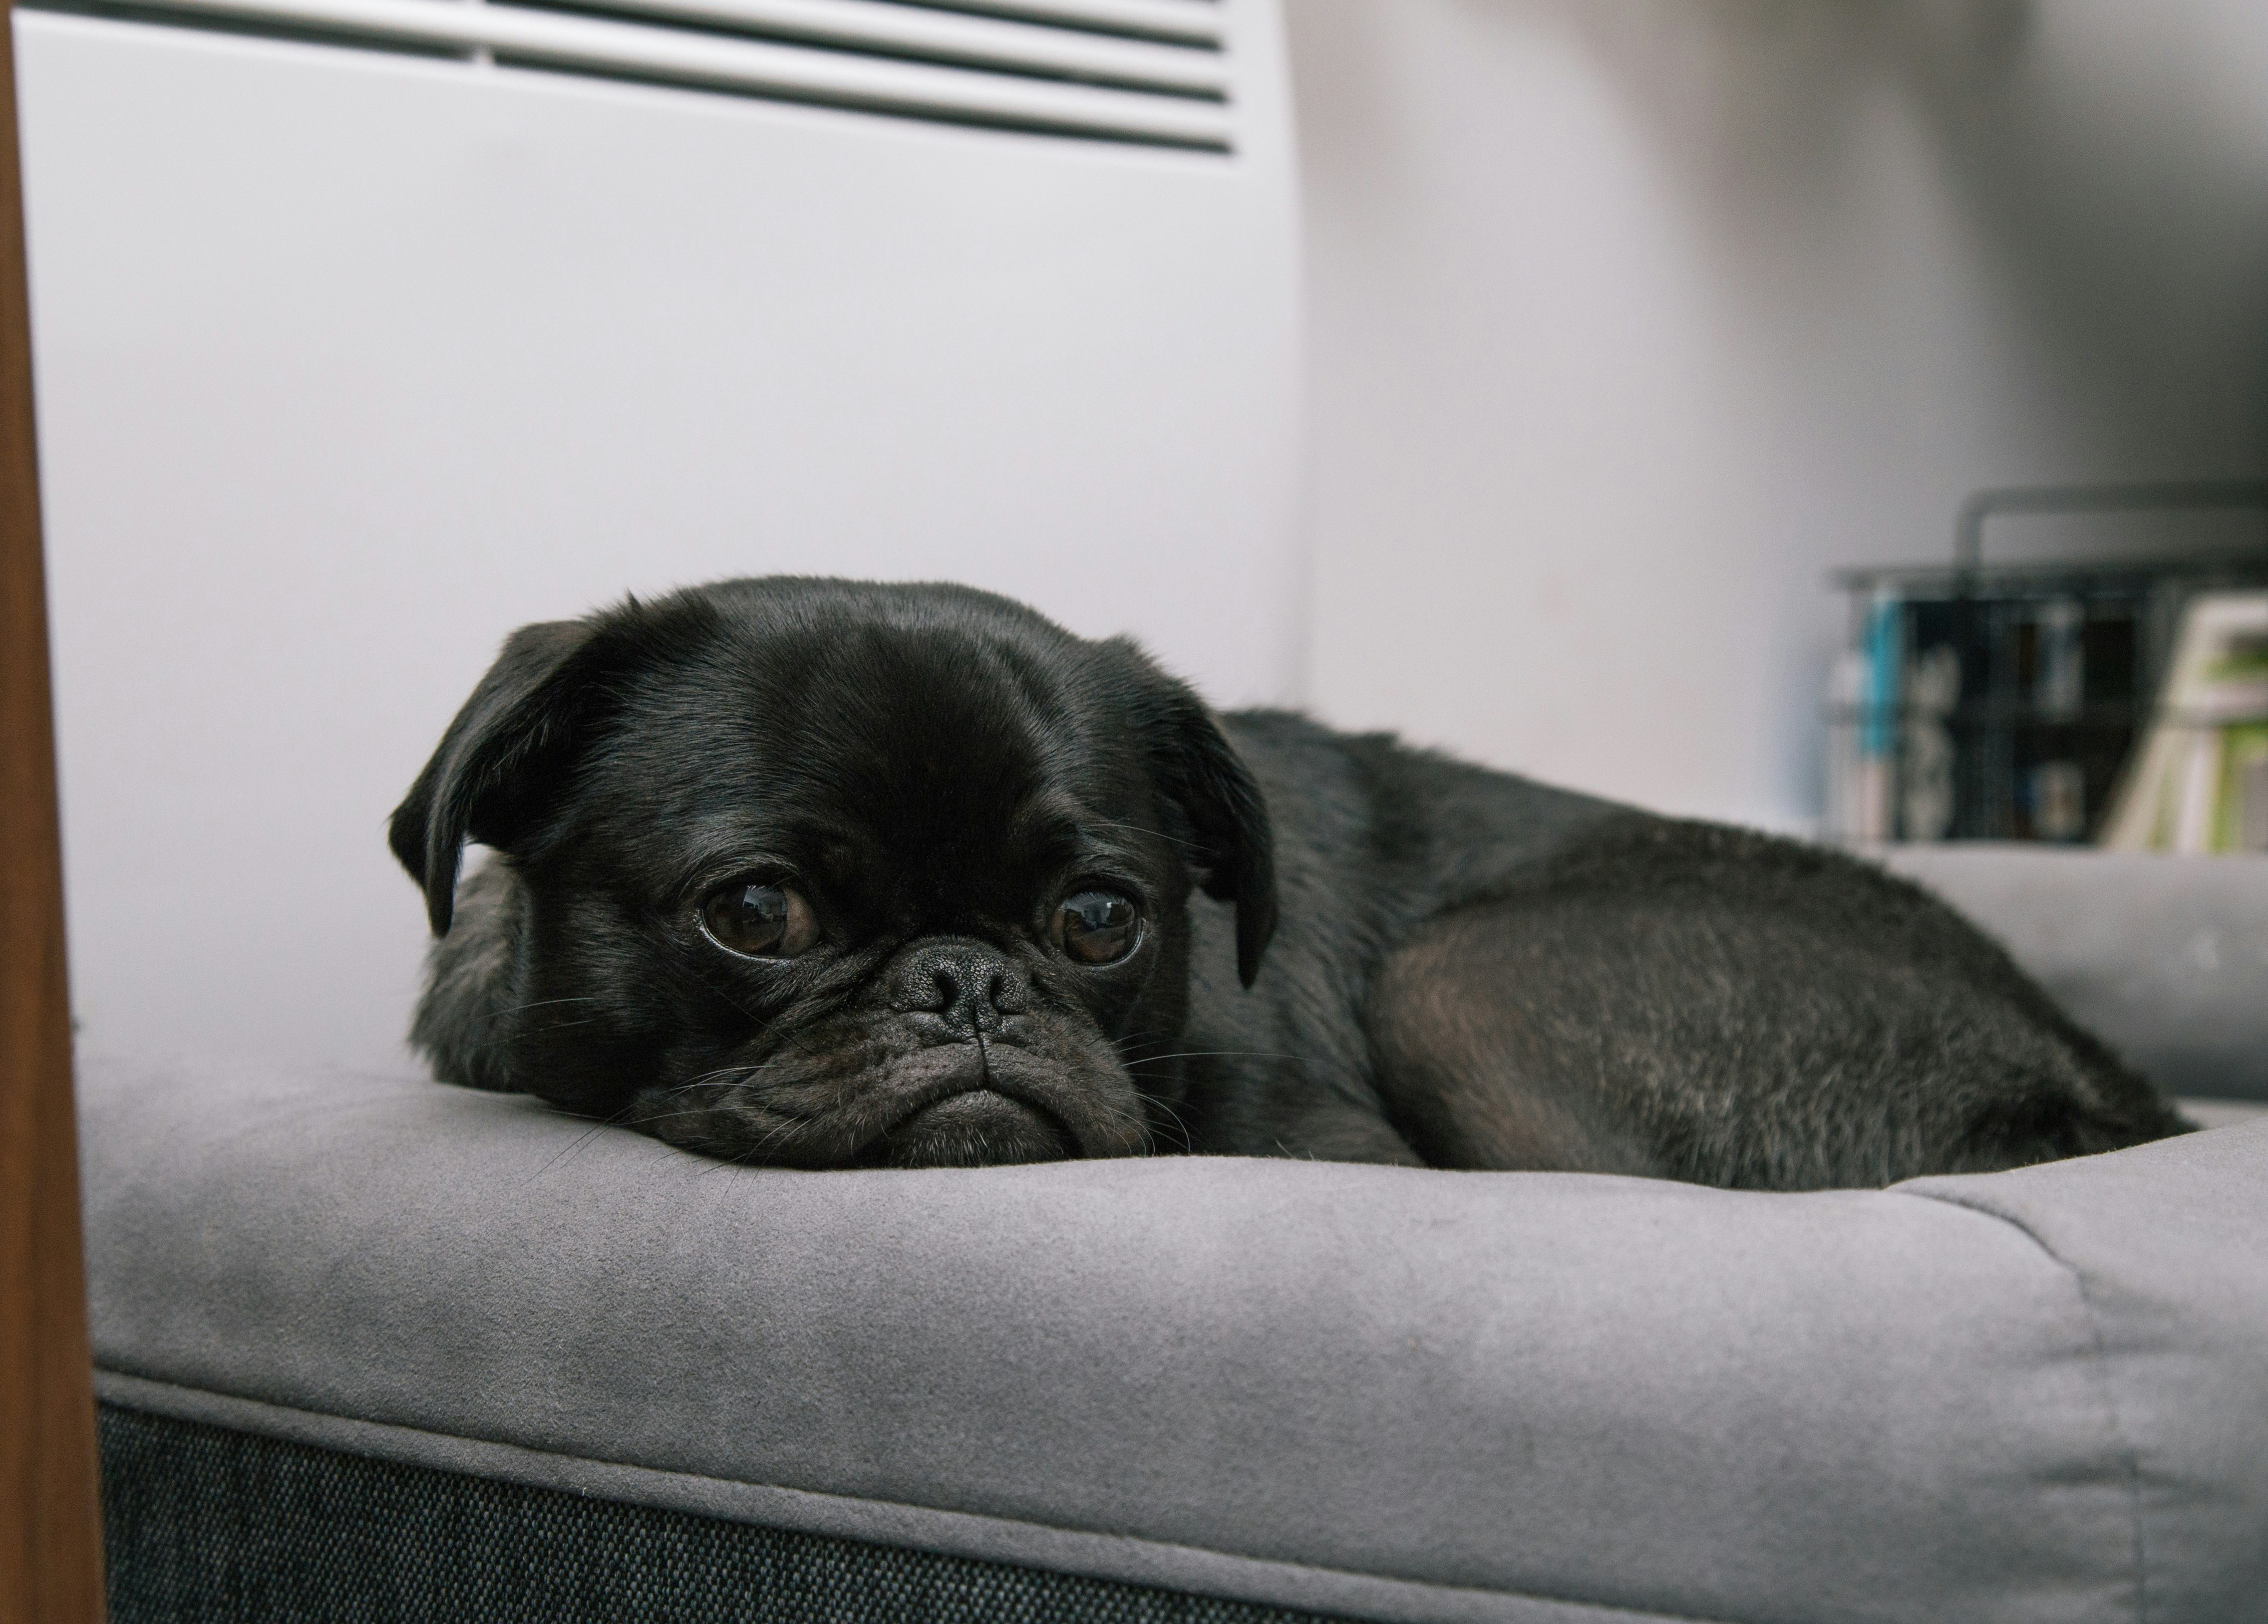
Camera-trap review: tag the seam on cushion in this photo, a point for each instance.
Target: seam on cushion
(2101, 1361)
(1607, 1610)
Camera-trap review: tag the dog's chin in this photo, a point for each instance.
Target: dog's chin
(977, 1128)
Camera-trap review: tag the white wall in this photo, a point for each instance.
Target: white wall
(1630, 318)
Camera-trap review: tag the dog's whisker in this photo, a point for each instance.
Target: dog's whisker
(1188, 846)
(694, 978)
(502, 1039)
(667, 1116)
(710, 1078)
(539, 1032)
(580, 1140)
(756, 1149)
(1152, 1060)
(539, 1003)
(1152, 1100)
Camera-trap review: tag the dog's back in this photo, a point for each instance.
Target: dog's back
(1501, 974)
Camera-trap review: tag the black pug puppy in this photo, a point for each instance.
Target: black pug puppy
(831, 874)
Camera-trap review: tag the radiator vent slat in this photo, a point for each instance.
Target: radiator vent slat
(1185, 22)
(940, 37)
(1151, 72)
(952, 38)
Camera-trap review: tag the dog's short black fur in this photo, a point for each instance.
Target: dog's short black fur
(827, 874)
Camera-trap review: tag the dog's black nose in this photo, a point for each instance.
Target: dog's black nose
(965, 984)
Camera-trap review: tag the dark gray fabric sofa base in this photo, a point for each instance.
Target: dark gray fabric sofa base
(204, 1525)
(1377, 1393)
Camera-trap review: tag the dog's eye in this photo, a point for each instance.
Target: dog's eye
(1096, 927)
(762, 921)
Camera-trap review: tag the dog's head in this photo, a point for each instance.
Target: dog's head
(824, 873)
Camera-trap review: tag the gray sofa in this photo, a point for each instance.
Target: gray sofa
(370, 1348)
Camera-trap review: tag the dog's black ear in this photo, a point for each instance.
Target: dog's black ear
(1228, 817)
(498, 764)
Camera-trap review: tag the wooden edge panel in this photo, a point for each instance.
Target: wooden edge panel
(50, 1519)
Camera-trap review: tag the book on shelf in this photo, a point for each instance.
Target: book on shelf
(1985, 709)
(2199, 780)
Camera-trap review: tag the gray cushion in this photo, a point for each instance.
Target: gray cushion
(2166, 958)
(1391, 1392)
